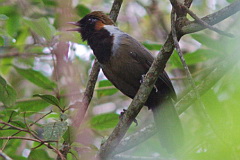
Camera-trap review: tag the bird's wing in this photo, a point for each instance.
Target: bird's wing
(145, 58)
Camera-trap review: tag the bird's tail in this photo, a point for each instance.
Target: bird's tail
(169, 127)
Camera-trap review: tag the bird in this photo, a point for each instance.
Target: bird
(125, 61)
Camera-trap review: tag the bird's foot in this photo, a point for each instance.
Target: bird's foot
(142, 79)
(155, 87)
(123, 112)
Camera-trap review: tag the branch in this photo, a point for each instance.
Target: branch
(83, 106)
(211, 19)
(10, 55)
(4, 156)
(107, 149)
(136, 138)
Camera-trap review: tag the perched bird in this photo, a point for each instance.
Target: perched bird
(125, 61)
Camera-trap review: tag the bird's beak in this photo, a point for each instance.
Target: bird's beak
(75, 24)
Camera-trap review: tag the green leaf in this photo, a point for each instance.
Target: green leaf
(69, 135)
(54, 131)
(3, 82)
(31, 106)
(39, 154)
(104, 121)
(36, 78)
(3, 17)
(175, 60)
(104, 90)
(230, 1)
(13, 24)
(209, 42)
(50, 2)
(7, 93)
(82, 10)
(1, 41)
(42, 27)
(48, 98)
(200, 55)
(152, 46)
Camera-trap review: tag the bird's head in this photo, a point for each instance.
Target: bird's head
(91, 23)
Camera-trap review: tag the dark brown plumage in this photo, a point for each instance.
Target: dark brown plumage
(124, 62)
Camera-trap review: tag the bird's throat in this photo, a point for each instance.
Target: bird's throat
(101, 43)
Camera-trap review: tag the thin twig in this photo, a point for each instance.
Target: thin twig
(185, 66)
(200, 21)
(4, 156)
(28, 129)
(15, 127)
(22, 55)
(40, 118)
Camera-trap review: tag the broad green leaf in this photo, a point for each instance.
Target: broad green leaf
(18, 124)
(50, 2)
(36, 77)
(175, 60)
(200, 55)
(39, 154)
(54, 131)
(21, 38)
(8, 10)
(82, 10)
(31, 106)
(1, 41)
(42, 27)
(5, 64)
(7, 93)
(3, 17)
(152, 46)
(13, 24)
(3, 82)
(48, 98)
(69, 135)
(104, 121)
(106, 88)
(209, 42)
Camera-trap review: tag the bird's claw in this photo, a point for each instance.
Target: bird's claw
(123, 112)
(142, 79)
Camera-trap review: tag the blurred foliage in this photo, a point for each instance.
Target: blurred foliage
(40, 80)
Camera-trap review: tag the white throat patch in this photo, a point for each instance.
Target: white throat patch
(116, 33)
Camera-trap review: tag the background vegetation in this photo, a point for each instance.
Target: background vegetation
(44, 71)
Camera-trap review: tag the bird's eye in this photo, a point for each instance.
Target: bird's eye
(91, 20)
